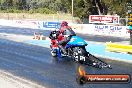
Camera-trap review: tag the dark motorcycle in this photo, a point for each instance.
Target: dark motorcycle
(76, 50)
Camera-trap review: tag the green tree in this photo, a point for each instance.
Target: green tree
(116, 6)
(82, 8)
(6, 4)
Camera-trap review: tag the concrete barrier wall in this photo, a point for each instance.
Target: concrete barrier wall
(109, 30)
(20, 23)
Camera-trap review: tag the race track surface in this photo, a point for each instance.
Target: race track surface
(36, 64)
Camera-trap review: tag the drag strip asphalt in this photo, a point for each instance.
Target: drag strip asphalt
(36, 64)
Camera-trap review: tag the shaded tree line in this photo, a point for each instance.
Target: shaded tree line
(82, 8)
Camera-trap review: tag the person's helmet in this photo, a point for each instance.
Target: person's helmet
(64, 23)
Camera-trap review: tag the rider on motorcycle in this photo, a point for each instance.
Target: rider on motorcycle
(65, 33)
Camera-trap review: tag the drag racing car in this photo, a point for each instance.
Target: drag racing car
(76, 51)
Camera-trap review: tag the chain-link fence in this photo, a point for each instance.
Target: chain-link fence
(38, 16)
(35, 16)
(49, 17)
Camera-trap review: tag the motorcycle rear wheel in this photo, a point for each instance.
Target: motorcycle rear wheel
(79, 54)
